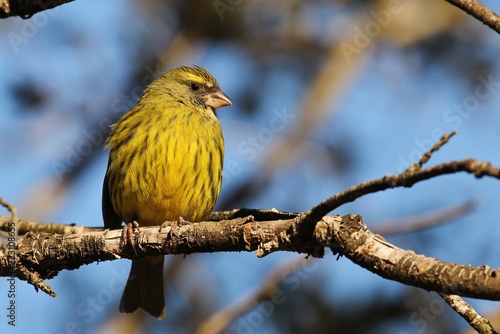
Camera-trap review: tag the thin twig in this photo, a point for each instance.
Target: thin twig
(427, 155)
(406, 179)
(424, 221)
(34, 279)
(478, 322)
(12, 209)
(221, 320)
(25, 226)
(16, 269)
(479, 11)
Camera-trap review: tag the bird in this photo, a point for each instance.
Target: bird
(165, 164)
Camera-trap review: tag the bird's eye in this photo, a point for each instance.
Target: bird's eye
(194, 86)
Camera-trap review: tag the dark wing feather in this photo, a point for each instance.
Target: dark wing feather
(111, 219)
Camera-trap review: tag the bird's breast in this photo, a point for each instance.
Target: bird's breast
(167, 172)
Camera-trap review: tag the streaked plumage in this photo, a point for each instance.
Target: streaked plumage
(165, 162)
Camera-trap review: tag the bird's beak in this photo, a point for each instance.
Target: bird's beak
(217, 99)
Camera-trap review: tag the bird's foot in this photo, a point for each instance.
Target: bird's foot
(128, 234)
(173, 234)
(174, 224)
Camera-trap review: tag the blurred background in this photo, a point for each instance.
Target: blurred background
(326, 94)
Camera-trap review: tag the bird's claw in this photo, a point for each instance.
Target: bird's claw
(128, 234)
(173, 224)
(174, 231)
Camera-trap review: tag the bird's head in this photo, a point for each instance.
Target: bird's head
(189, 85)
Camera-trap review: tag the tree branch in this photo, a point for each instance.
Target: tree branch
(407, 179)
(479, 11)
(24, 226)
(352, 239)
(45, 254)
(475, 320)
(26, 9)
(221, 320)
(425, 220)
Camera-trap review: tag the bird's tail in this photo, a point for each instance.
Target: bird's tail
(144, 287)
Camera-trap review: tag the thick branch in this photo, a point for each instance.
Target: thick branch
(46, 254)
(348, 236)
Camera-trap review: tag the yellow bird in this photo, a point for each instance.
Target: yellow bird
(165, 162)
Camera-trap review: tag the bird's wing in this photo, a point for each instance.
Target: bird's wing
(111, 219)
